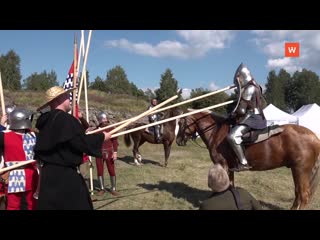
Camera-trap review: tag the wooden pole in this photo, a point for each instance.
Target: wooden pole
(84, 71)
(171, 119)
(196, 98)
(2, 170)
(87, 117)
(2, 97)
(74, 78)
(178, 104)
(135, 118)
(81, 51)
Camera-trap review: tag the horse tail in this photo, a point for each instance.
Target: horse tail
(127, 139)
(315, 176)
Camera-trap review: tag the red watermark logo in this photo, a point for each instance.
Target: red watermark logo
(292, 49)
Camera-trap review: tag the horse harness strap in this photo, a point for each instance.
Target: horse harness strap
(236, 197)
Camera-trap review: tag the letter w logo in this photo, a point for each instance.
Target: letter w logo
(292, 49)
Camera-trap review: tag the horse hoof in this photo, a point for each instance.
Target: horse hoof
(136, 162)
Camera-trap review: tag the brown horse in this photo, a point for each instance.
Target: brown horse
(141, 136)
(296, 147)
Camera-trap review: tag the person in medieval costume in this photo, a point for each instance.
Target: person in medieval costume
(109, 156)
(155, 117)
(17, 145)
(60, 146)
(248, 113)
(4, 177)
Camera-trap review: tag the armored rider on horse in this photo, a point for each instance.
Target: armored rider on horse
(155, 118)
(248, 113)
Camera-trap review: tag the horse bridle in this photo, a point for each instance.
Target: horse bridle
(194, 135)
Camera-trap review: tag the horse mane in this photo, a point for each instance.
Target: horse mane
(219, 118)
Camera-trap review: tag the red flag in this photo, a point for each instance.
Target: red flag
(69, 84)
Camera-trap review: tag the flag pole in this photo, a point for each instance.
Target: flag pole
(2, 97)
(74, 78)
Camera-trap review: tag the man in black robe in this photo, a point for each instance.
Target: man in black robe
(60, 146)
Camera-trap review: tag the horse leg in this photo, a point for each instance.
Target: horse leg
(167, 149)
(302, 187)
(231, 178)
(138, 154)
(135, 151)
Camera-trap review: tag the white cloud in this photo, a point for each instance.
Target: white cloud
(271, 42)
(195, 43)
(186, 93)
(213, 87)
(278, 62)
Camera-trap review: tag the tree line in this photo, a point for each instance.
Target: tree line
(287, 92)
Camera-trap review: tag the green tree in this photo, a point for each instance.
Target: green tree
(98, 84)
(42, 81)
(168, 86)
(149, 94)
(135, 91)
(302, 89)
(208, 101)
(10, 71)
(117, 81)
(275, 88)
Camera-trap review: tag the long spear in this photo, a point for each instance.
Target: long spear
(171, 119)
(136, 118)
(75, 62)
(178, 104)
(84, 71)
(2, 170)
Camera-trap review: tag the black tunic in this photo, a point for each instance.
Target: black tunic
(60, 145)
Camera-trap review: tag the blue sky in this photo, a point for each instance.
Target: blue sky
(198, 58)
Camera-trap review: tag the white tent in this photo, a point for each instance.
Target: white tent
(275, 116)
(309, 116)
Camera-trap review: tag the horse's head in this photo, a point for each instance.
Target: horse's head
(187, 130)
(172, 112)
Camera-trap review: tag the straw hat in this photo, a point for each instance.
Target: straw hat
(218, 179)
(53, 93)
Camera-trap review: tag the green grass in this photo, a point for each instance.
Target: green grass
(183, 184)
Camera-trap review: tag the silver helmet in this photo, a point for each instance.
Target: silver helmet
(101, 117)
(242, 75)
(20, 119)
(9, 109)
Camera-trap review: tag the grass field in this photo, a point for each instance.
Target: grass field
(183, 184)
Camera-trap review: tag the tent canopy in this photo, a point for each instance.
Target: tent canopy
(275, 116)
(309, 116)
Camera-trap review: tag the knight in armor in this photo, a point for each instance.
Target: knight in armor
(155, 118)
(17, 145)
(248, 113)
(109, 156)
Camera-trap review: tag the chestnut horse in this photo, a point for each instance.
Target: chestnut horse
(296, 147)
(141, 136)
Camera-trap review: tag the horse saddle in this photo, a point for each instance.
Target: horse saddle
(151, 130)
(259, 135)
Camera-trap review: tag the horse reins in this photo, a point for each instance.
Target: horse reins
(194, 138)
